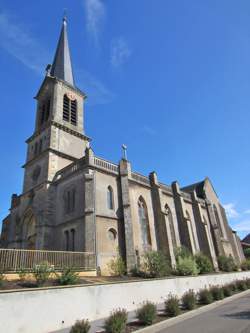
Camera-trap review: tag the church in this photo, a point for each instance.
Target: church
(73, 200)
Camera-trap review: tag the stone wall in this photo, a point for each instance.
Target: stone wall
(47, 310)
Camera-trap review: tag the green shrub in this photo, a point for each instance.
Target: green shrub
(80, 326)
(68, 276)
(182, 252)
(205, 296)
(155, 264)
(245, 265)
(248, 283)
(241, 285)
(233, 286)
(247, 252)
(172, 308)
(147, 313)
(227, 290)
(42, 272)
(226, 264)
(23, 274)
(217, 293)
(189, 300)
(116, 322)
(138, 273)
(117, 266)
(203, 263)
(2, 278)
(186, 266)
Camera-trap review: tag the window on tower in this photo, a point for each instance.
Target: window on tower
(45, 112)
(40, 146)
(66, 107)
(36, 149)
(73, 115)
(42, 115)
(70, 110)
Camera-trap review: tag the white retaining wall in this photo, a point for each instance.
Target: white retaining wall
(47, 310)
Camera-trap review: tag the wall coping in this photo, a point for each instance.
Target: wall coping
(10, 291)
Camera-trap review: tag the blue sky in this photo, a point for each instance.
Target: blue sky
(171, 79)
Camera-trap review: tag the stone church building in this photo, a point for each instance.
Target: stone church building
(73, 200)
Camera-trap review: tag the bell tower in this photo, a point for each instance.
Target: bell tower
(58, 137)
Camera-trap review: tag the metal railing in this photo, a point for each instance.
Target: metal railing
(15, 259)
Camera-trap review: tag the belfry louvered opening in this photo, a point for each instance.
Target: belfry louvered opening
(73, 115)
(70, 110)
(66, 108)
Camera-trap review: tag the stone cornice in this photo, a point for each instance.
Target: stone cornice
(52, 78)
(60, 126)
(113, 217)
(58, 153)
(69, 130)
(139, 183)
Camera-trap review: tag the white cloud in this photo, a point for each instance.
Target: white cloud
(231, 211)
(15, 39)
(22, 45)
(95, 14)
(242, 226)
(96, 91)
(120, 52)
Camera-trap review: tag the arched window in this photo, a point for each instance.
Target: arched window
(69, 200)
(144, 223)
(70, 110)
(171, 224)
(110, 198)
(36, 149)
(40, 146)
(42, 115)
(218, 220)
(112, 234)
(66, 235)
(29, 231)
(45, 112)
(66, 108)
(72, 239)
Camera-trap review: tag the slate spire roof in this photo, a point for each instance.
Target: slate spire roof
(197, 187)
(246, 239)
(62, 67)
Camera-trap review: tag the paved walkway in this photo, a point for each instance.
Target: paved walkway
(232, 317)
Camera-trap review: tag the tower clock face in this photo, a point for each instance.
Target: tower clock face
(36, 173)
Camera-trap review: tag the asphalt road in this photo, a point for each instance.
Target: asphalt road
(233, 317)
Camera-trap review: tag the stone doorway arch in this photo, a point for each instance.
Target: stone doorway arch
(29, 231)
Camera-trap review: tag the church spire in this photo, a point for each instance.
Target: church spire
(62, 68)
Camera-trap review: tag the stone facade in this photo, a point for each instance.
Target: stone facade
(73, 200)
